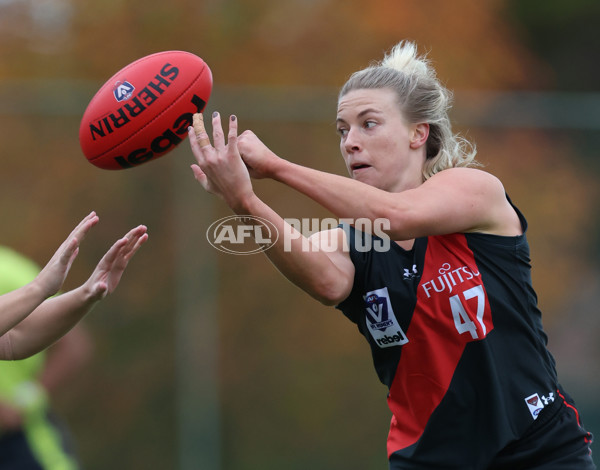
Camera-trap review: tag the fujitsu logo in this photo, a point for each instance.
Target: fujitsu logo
(449, 278)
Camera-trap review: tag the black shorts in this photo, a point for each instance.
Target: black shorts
(556, 441)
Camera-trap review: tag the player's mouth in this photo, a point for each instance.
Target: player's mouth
(359, 168)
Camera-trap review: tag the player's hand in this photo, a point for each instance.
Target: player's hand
(109, 270)
(53, 275)
(259, 159)
(220, 169)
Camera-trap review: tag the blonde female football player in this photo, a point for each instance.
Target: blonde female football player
(448, 309)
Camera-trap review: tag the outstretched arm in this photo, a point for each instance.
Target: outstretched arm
(16, 305)
(451, 201)
(326, 275)
(43, 321)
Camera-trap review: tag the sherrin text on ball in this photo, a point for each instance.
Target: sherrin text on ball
(144, 110)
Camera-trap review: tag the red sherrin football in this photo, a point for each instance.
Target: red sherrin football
(144, 110)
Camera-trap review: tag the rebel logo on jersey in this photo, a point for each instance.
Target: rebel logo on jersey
(381, 320)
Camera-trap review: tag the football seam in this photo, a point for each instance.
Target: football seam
(152, 120)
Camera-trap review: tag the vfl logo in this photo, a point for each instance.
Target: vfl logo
(123, 91)
(381, 321)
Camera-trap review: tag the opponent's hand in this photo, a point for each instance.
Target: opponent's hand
(220, 169)
(53, 275)
(105, 278)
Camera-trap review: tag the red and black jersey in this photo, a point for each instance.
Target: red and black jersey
(456, 335)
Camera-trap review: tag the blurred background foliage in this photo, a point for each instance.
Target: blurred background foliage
(291, 382)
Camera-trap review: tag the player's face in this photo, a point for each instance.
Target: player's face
(375, 140)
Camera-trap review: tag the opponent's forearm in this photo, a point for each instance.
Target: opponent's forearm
(18, 304)
(50, 321)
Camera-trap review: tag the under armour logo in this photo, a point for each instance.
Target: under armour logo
(548, 399)
(408, 274)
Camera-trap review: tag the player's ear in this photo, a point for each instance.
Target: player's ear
(418, 135)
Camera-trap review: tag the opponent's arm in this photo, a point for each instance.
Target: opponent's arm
(16, 305)
(54, 317)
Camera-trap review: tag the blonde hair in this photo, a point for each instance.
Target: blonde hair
(421, 98)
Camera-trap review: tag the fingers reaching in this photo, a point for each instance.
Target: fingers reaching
(219, 168)
(233, 129)
(199, 135)
(81, 230)
(124, 248)
(107, 274)
(52, 276)
(84, 226)
(135, 239)
(200, 130)
(218, 135)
